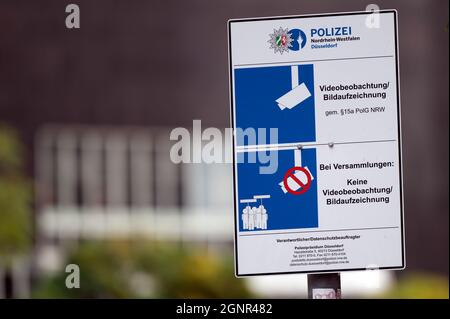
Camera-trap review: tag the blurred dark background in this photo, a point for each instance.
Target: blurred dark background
(163, 63)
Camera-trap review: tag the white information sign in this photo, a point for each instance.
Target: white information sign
(317, 153)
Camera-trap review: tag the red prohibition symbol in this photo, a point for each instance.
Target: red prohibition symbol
(290, 174)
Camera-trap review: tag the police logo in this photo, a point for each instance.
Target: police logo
(280, 40)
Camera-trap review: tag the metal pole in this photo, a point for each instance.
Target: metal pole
(324, 286)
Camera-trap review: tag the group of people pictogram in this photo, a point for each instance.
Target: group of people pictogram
(254, 217)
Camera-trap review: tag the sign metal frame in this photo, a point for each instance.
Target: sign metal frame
(399, 141)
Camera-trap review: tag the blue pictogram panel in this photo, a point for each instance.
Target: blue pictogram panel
(266, 97)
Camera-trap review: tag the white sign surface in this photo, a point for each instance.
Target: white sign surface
(317, 154)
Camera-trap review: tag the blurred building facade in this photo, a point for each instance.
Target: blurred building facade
(100, 183)
(109, 183)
